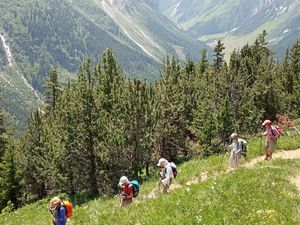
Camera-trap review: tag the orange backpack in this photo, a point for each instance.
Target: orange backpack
(69, 208)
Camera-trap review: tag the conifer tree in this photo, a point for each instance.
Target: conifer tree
(170, 136)
(10, 177)
(32, 159)
(295, 82)
(53, 91)
(219, 56)
(203, 63)
(3, 134)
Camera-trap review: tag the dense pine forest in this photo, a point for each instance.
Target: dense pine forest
(104, 125)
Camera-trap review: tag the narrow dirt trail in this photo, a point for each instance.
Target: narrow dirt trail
(291, 154)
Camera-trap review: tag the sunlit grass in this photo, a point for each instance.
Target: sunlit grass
(260, 195)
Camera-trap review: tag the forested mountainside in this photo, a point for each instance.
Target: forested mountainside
(45, 34)
(103, 125)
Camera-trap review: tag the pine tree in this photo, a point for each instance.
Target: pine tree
(295, 82)
(3, 134)
(32, 159)
(170, 136)
(53, 91)
(219, 56)
(10, 189)
(203, 63)
(140, 124)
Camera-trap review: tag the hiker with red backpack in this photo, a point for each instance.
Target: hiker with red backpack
(60, 210)
(126, 191)
(272, 133)
(168, 173)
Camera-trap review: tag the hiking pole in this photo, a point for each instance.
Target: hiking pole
(223, 156)
(277, 147)
(260, 145)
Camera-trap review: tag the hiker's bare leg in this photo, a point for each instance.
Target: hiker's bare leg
(167, 186)
(232, 162)
(266, 148)
(271, 149)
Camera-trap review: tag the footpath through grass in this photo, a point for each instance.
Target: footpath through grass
(261, 195)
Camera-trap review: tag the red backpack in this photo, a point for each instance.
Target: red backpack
(69, 208)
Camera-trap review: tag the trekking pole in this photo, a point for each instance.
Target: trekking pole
(260, 145)
(223, 157)
(277, 147)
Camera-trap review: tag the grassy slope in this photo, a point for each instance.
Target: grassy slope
(249, 196)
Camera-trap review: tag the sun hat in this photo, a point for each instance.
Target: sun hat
(162, 160)
(123, 180)
(54, 203)
(267, 122)
(233, 135)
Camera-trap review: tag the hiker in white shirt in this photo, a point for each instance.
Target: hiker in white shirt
(166, 175)
(236, 151)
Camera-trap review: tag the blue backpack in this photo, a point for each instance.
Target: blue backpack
(136, 187)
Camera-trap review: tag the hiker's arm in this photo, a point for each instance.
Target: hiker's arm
(229, 146)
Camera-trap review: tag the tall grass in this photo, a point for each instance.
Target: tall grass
(260, 195)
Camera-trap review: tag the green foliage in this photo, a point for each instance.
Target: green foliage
(10, 177)
(219, 55)
(103, 125)
(224, 198)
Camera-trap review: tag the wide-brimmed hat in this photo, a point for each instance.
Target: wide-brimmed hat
(233, 135)
(123, 180)
(54, 203)
(267, 122)
(162, 160)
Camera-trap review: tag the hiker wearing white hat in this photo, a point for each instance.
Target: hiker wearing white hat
(126, 191)
(238, 147)
(166, 175)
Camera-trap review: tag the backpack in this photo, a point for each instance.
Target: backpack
(69, 208)
(174, 169)
(277, 128)
(243, 147)
(136, 187)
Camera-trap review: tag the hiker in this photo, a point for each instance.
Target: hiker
(238, 148)
(58, 211)
(271, 135)
(126, 191)
(166, 175)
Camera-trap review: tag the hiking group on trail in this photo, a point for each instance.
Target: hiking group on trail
(62, 210)
(130, 189)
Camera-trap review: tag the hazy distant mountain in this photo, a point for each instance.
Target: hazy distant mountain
(236, 21)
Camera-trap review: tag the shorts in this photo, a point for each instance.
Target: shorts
(270, 145)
